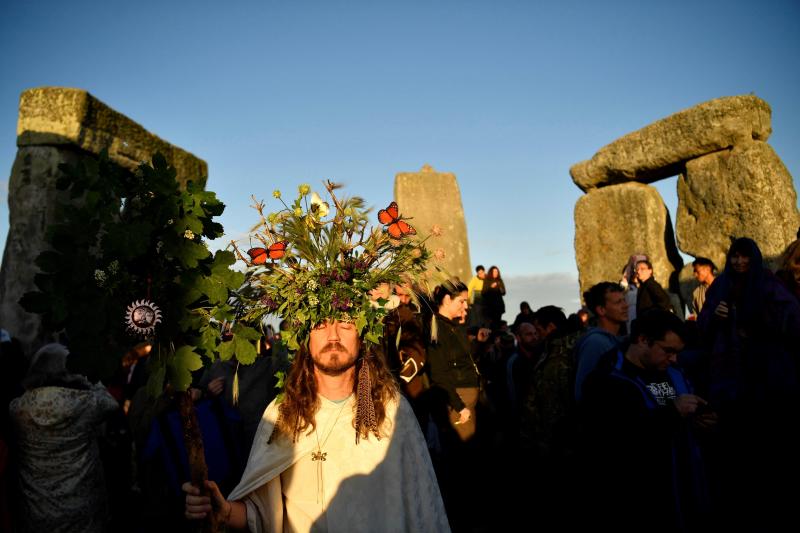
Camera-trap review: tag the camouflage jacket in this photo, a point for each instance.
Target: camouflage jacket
(548, 405)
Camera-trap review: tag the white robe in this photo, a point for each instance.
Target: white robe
(377, 485)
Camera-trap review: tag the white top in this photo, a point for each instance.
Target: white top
(377, 485)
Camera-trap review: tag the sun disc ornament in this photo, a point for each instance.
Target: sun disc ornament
(142, 316)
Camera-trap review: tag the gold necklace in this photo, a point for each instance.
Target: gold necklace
(319, 456)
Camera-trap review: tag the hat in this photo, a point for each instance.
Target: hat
(317, 260)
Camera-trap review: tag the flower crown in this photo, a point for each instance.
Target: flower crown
(318, 263)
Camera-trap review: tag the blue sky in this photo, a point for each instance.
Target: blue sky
(505, 94)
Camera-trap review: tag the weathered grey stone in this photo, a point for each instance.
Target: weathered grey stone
(743, 192)
(433, 198)
(615, 222)
(59, 115)
(660, 149)
(55, 126)
(32, 196)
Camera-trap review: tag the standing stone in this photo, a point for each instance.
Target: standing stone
(743, 192)
(433, 198)
(659, 149)
(32, 197)
(63, 126)
(615, 222)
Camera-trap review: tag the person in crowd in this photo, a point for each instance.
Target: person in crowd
(630, 282)
(583, 317)
(454, 398)
(547, 416)
(517, 375)
(493, 291)
(650, 294)
(341, 450)
(247, 389)
(475, 293)
(607, 301)
(61, 482)
(550, 395)
(638, 412)
(751, 327)
(704, 271)
(450, 365)
(789, 271)
(404, 346)
(525, 315)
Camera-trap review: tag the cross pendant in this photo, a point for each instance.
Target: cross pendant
(319, 456)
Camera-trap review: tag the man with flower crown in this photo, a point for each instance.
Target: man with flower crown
(340, 449)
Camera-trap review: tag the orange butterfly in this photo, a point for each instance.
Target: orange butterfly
(395, 225)
(259, 256)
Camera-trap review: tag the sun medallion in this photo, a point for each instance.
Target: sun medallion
(142, 316)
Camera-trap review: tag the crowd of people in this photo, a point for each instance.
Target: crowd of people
(621, 415)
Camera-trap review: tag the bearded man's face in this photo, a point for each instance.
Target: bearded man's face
(334, 347)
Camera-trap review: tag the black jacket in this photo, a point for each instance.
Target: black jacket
(652, 296)
(449, 361)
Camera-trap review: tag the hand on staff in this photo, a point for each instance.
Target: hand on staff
(463, 416)
(198, 506)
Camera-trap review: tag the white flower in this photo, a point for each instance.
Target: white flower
(319, 207)
(100, 277)
(312, 299)
(312, 284)
(189, 234)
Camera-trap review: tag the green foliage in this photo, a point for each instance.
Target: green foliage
(123, 237)
(331, 263)
(180, 367)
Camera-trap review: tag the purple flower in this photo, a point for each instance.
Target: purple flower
(341, 304)
(268, 302)
(324, 279)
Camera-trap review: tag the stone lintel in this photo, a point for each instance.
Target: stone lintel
(67, 116)
(660, 149)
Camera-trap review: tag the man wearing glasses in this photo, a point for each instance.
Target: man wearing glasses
(640, 414)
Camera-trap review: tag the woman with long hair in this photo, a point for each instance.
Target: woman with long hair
(492, 295)
(450, 364)
(453, 397)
